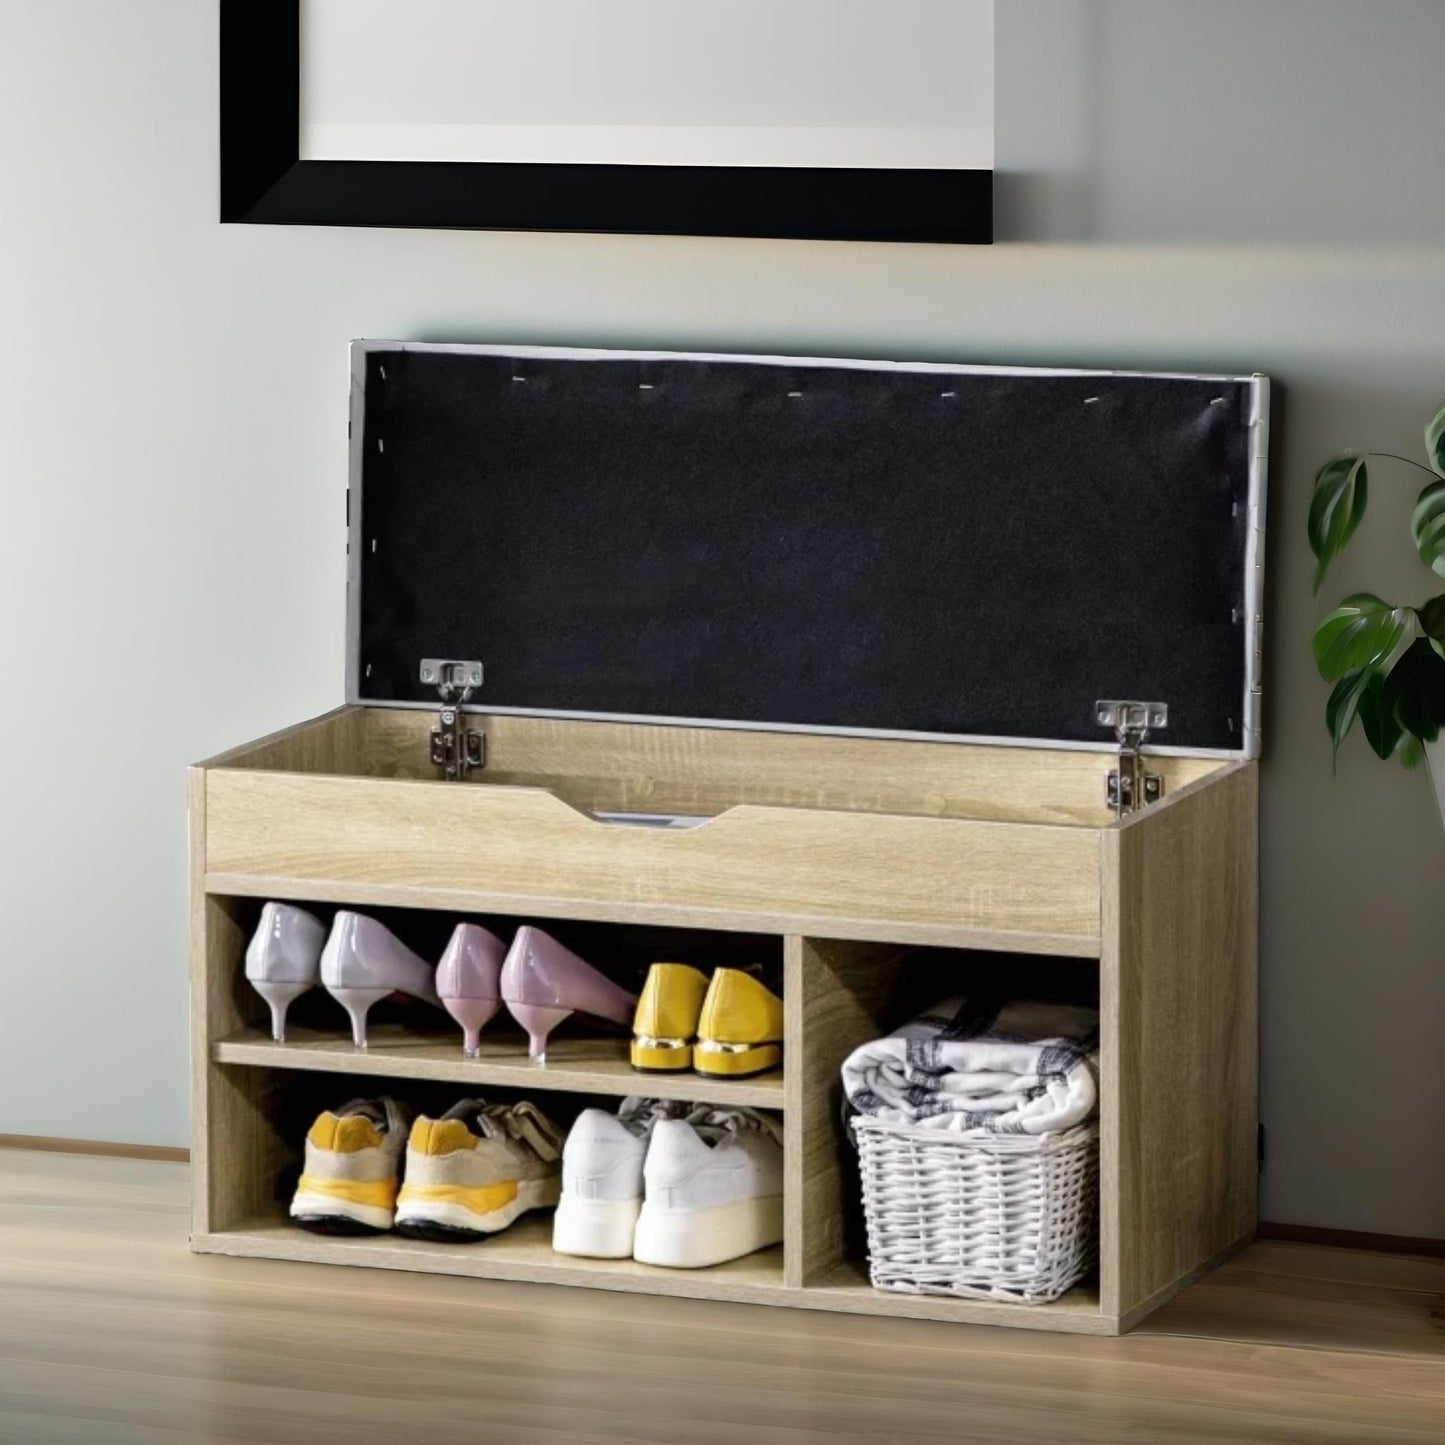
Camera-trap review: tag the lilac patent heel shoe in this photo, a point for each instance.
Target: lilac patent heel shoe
(363, 962)
(283, 959)
(468, 981)
(543, 983)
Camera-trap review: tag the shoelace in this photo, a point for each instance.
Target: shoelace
(637, 1114)
(734, 1121)
(526, 1123)
(382, 1112)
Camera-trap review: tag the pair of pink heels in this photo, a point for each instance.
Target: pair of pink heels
(360, 962)
(539, 980)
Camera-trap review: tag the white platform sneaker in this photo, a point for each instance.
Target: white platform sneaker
(714, 1189)
(602, 1187)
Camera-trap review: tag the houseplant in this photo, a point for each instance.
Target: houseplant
(1386, 660)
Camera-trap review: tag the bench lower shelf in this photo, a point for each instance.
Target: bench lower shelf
(524, 1253)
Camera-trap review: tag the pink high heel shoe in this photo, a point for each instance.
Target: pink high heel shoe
(468, 979)
(543, 983)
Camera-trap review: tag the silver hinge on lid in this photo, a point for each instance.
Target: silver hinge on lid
(455, 749)
(1130, 787)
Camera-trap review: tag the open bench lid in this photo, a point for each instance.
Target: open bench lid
(835, 546)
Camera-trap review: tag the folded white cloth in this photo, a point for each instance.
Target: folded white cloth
(985, 1066)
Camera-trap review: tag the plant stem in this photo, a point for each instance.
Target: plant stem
(1409, 462)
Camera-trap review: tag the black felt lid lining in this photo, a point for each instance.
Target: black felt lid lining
(964, 554)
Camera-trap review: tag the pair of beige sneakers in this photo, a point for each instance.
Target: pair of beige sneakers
(467, 1174)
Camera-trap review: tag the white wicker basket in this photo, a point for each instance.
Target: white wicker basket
(1008, 1217)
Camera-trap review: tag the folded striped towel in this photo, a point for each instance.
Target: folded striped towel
(982, 1065)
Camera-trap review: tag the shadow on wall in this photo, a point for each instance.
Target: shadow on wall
(1170, 121)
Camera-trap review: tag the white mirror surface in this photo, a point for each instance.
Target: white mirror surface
(850, 83)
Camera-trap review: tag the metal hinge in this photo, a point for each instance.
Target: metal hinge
(1130, 787)
(455, 749)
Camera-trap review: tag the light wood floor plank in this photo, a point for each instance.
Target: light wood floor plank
(1317, 1261)
(110, 1331)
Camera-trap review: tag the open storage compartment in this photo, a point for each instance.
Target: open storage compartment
(869, 778)
(938, 844)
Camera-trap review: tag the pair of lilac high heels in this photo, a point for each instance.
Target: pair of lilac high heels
(360, 962)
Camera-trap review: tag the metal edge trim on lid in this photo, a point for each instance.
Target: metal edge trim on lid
(1254, 567)
(356, 434)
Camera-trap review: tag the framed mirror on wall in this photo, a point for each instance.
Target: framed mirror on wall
(828, 119)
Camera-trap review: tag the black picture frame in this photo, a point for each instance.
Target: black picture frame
(265, 181)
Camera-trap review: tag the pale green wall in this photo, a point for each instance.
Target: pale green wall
(1221, 184)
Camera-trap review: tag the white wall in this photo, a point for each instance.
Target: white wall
(1190, 183)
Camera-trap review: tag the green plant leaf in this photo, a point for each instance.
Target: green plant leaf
(1364, 631)
(1382, 728)
(1414, 692)
(1411, 752)
(1435, 440)
(1432, 617)
(1342, 489)
(1344, 704)
(1427, 526)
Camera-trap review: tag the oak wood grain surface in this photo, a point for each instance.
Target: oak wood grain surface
(586, 1065)
(650, 768)
(112, 1332)
(759, 862)
(1179, 991)
(833, 1000)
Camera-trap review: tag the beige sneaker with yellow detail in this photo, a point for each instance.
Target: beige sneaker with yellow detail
(474, 1170)
(351, 1176)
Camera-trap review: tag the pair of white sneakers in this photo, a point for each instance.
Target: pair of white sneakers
(685, 1186)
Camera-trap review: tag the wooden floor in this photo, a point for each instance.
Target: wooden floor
(110, 1331)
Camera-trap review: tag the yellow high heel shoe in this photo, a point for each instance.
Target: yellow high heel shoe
(740, 1031)
(665, 1024)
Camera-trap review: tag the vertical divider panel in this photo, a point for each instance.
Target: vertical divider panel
(1179, 1006)
(200, 1060)
(794, 1135)
(235, 1151)
(835, 996)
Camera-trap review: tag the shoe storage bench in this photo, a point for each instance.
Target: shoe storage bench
(858, 860)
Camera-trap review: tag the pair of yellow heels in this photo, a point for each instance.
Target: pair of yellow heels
(730, 1026)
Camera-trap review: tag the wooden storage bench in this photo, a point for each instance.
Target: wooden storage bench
(852, 858)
